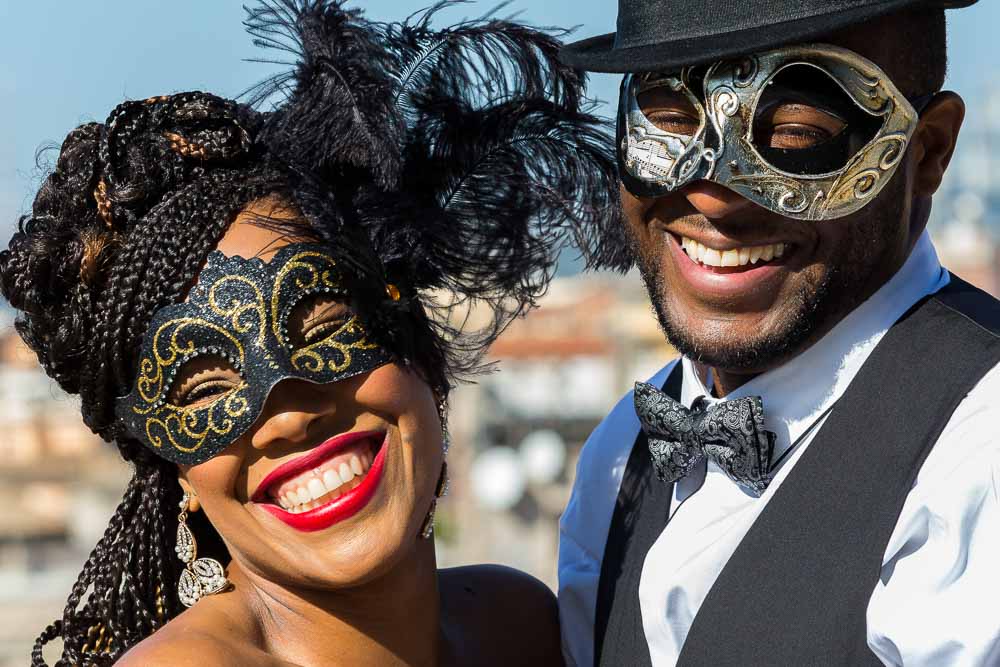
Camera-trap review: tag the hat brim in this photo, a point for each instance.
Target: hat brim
(597, 54)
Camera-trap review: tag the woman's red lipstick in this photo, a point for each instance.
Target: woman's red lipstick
(337, 509)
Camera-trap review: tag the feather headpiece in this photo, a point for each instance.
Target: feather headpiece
(467, 154)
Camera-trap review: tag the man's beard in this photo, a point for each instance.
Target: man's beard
(815, 307)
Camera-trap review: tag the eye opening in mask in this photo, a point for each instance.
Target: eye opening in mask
(203, 380)
(660, 141)
(805, 123)
(317, 317)
(669, 101)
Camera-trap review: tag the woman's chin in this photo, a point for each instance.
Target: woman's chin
(349, 553)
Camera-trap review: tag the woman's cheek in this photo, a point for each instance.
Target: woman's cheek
(395, 390)
(406, 400)
(217, 480)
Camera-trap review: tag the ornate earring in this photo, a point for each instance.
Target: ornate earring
(201, 576)
(427, 531)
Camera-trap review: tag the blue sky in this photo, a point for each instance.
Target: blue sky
(67, 62)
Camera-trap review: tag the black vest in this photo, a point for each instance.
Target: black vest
(796, 590)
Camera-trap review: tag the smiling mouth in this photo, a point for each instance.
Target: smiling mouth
(327, 481)
(328, 484)
(737, 257)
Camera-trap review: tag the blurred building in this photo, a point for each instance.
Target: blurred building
(517, 433)
(965, 221)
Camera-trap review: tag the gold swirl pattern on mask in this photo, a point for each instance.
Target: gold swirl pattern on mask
(312, 271)
(152, 382)
(183, 428)
(311, 359)
(237, 308)
(232, 306)
(309, 276)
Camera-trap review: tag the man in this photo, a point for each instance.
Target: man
(816, 481)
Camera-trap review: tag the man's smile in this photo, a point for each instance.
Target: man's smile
(739, 256)
(711, 267)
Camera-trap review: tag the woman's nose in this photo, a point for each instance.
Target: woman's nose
(285, 418)
(714, 201)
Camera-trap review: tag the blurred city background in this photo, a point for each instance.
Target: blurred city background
(516, 434)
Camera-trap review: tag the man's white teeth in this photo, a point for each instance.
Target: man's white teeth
(734, 256)
(324, 483)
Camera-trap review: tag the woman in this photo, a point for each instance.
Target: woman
(254, 307)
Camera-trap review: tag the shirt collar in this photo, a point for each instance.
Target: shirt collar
(797, 393)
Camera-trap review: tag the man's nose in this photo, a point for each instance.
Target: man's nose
(714, 201)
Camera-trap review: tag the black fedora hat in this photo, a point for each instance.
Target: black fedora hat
(667, 34)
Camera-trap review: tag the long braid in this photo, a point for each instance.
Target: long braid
(118, 230)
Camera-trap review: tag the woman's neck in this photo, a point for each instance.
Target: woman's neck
(392, 620)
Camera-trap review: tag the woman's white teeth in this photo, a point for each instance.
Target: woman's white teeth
(346, 473)
(322, 483)
(316, 488)
(734, 256)
(331, 479)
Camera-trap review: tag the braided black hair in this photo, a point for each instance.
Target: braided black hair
(118, 229)
(454, 164)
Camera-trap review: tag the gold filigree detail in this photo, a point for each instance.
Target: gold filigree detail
(236, 309)
(315, 363)
(315, 277)
(150, 382)
(174, 420)
(731, 94)
(232, 322)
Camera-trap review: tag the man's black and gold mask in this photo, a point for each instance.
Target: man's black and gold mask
(240, 312)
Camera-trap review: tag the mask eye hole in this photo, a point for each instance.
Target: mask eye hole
(793, 126)
(806, 124)
(316, 318)
(203, 380)
(670, 110)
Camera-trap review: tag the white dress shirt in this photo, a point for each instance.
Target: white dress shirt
(937, 601)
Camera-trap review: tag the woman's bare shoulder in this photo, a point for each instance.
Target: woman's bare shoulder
(198, 637)
(513, 615)
(164, 648)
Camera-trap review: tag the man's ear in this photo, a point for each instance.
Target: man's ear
(193, 504)
(934, 141)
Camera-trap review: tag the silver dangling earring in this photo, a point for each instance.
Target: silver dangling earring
(442, 490)
(201, 576)
(427, 530)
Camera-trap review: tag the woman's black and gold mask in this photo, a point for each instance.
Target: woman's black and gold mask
(241, 312)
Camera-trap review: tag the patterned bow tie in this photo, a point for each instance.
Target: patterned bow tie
(731, 433)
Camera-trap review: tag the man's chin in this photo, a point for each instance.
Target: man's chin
(741, 345)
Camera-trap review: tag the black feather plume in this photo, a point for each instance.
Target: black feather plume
(466, 155)
(337, 109)
(481, 62)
